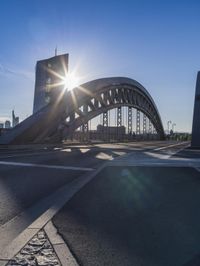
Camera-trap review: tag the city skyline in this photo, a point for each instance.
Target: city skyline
(155, 43)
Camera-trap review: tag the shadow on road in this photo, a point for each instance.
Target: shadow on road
(134, 216)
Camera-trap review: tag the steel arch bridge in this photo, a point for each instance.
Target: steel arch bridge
(83, 103)
(98, 96)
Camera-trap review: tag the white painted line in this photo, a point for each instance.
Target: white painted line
(177, 151)
(42, 153)
(169, 146)
(60, 167)
(155, 164)
(195, 163)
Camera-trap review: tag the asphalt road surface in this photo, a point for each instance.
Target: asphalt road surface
(29, 174)
(135, 216)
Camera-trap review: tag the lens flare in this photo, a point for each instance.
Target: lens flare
(70, 81)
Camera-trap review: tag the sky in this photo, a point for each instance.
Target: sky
(154, 42)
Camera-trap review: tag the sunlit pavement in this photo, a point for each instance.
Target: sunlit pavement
(28, 175)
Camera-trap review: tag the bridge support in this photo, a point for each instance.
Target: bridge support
(85, 125)
(137, 122)
(150, 127)
(130, 119)
(105, 125)
(144, 125)
(119, 122)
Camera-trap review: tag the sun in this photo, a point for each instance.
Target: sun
(71, 81)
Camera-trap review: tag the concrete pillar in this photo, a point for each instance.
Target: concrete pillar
(196, 116)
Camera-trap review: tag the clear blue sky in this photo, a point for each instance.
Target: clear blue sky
(154, 42)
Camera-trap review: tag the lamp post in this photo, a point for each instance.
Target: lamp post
(168, 122)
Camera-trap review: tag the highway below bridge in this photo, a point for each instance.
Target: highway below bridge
(100, 224)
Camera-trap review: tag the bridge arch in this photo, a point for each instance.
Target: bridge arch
(78, 106)
(97, 96)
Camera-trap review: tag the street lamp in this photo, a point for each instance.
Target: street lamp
(168, 122)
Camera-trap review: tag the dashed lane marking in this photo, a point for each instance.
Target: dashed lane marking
(60, 167)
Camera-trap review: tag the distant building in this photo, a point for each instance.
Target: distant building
(49, 82)
(7, 124)
(15, 119)
(111, 130)
(1, 125)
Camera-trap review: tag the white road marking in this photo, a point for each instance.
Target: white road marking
(66, 150)
(104, 156)
(46, 166)
(41, 153)
(84, 150)
(169, 146)
(28, 154)
(177, 151)
(157, 155)
(163, 163)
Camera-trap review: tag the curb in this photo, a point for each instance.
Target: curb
(60, 247)
(19, 237)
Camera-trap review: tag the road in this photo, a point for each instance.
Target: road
(29, 174)
(142, 215)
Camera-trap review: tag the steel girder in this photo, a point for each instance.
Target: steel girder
(100, 99)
